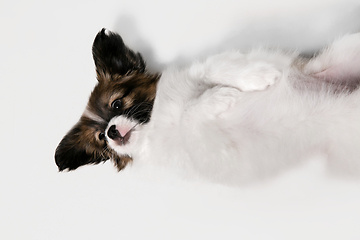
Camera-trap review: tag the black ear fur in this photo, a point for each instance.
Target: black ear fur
(71, 153)
(113, 57)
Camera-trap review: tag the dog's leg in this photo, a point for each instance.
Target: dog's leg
(337, 67)
(233, 69)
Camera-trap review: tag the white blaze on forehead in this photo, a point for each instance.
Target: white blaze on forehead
(93, 116)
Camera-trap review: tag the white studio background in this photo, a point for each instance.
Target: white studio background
(47, 74)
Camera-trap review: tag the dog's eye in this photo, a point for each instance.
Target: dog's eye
(117, 104)
(101, 136)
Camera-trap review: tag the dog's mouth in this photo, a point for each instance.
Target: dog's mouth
(120, 135)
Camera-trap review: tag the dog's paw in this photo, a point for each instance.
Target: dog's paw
(221, 99)
(233, 69)
(257, 77)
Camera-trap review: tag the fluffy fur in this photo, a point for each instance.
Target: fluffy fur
(234, 116)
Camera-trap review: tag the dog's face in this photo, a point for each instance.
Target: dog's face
(124, 89)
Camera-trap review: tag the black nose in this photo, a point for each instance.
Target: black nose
(113, 133)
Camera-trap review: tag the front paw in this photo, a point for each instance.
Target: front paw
(257, 77)
(233, 69)
(220, 99)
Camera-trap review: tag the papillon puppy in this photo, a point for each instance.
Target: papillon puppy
(229, 118)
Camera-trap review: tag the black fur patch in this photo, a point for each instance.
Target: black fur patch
(112, 56)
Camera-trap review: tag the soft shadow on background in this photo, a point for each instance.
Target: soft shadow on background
(47, 74)
(306, 31)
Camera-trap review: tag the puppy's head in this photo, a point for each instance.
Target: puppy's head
(124, 89)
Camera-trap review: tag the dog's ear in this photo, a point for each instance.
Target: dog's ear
(112, 57)
(75, 150)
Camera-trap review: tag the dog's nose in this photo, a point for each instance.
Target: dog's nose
(120, 137)
(113, 133)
